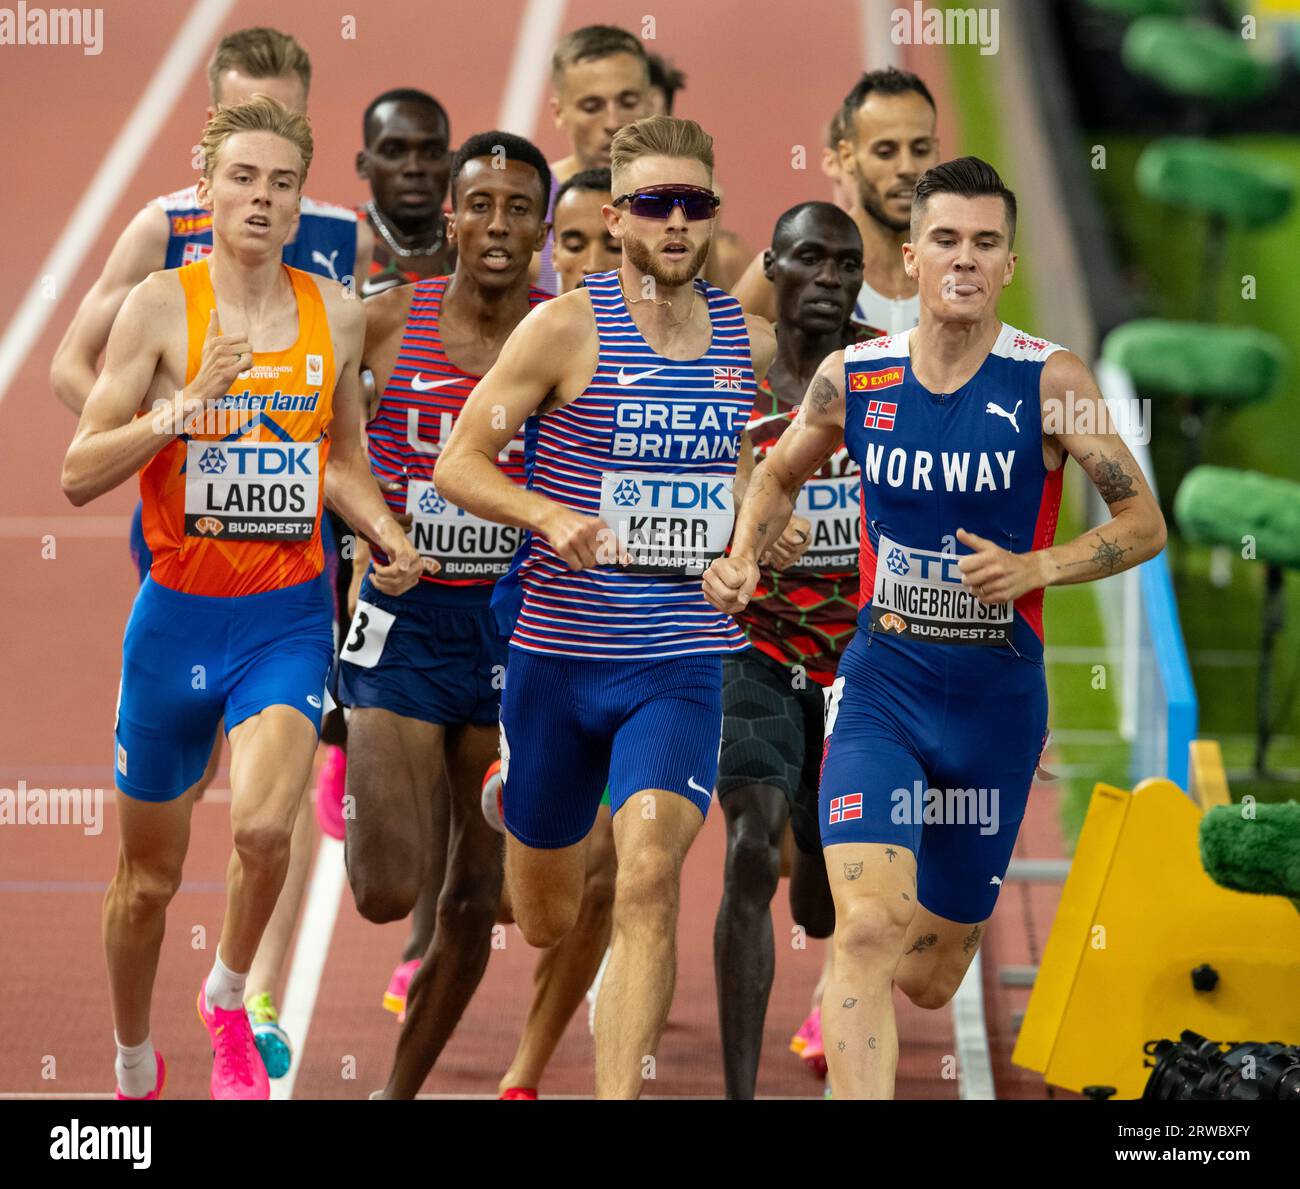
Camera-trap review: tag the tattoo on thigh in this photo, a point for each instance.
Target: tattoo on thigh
(890, 853)
(849, 1002)
(852, 870)
(971, 941)
(924, 942)
(871, 1042)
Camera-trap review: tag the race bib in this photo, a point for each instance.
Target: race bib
(466, 546)
(668, 524)
(251, 491)
(831, 507)
(918, 595)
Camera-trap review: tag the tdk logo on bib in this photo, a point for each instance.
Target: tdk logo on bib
(259, 460)
(678, 495)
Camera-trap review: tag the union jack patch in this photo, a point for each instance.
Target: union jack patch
(728, 377)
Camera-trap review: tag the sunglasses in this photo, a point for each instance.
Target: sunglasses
(657, 202)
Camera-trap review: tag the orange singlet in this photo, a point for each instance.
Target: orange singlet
(237, 511)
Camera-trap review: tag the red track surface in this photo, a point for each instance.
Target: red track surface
(762, 80)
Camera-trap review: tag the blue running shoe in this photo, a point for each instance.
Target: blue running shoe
(272, 1041)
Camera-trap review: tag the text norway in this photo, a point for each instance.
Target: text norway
(956, 468)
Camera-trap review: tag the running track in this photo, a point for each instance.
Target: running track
(64, 613)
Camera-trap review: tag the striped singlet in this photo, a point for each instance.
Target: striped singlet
(421, 401)
(650, 446)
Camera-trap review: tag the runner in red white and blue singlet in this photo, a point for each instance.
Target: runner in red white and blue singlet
(627, 660)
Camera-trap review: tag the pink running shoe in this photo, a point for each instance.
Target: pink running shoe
(330, 784)
(492, 808)
(237, 1069)
(807, 1042)
(158, 1085)
(398, 985)
(518, 1094)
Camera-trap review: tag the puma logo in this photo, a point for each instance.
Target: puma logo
(326, 261)
(998, 411)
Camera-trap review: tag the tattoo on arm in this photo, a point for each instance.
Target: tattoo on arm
(1108, 556)
(840, 1046)
(761, 530)
(849, 1002)
(1113, 482)
(971, 940)
(822, 393)
(924, 942)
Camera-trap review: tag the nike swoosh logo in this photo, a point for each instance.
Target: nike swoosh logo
(691, 783)
(624, 379)
(419, 387)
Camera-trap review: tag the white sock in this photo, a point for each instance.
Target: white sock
(137, 1069)
(224, 988)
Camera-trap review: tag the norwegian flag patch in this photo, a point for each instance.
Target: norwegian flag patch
(880, 414)
(846, 808)
(728, 377)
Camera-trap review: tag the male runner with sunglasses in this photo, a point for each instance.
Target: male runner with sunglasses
(636, 389)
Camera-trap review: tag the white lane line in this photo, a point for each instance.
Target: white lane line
(70, 527)
(879, 50)
(319, 913)
(119, 166)
(539, 30)
(974, 1068)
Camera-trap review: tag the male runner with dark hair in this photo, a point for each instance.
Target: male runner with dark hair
(939, 713)
(231, 624)
(423, 672)
(665, 81)
(600, 81)
(636, 389)
(799, 622)
(407, 161)
(888, 141)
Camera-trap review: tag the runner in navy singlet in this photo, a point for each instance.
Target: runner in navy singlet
(636, 390)
(423, 672)
(961, 429)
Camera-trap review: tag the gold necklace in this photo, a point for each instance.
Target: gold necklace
(655, 301)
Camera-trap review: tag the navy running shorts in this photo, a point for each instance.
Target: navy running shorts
(433, 654)
(570, 724)
(936, 755)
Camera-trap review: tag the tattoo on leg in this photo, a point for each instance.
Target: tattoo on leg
(890, 853)
(852, 870)
(871, 1042)
(971, 941)
(849, 1002)
(840, 1046)
(1113, 482)
(822, 393)
(924, 942)
(905, 896)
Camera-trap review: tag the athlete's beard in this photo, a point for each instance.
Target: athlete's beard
(639, 253)
(875, 208)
